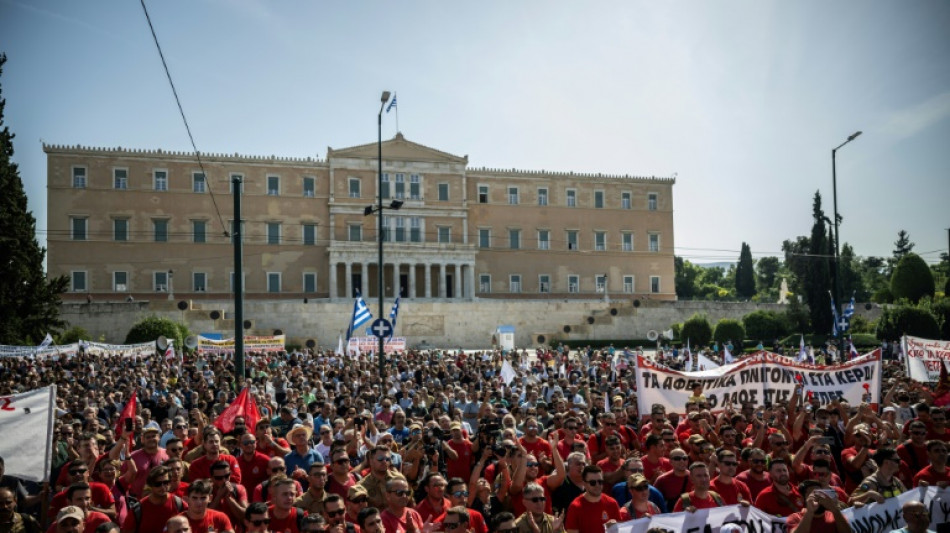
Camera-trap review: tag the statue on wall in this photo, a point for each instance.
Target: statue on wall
(783, 292)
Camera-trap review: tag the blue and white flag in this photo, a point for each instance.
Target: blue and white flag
(849, 309)
(392, 316)
(802, 352)
(852, 351)
(392, 103)
(47, 341)
(361, 315)
(834, 317)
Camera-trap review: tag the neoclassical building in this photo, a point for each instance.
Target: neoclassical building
(132, 223)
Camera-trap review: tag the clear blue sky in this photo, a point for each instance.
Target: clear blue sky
(741, 100)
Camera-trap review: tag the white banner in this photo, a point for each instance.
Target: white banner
(924, 357)
(263, 343)
(142, 349)
(358, 345)
(26, 426)
(885, 517)
(763, 378)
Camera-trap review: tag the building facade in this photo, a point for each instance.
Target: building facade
(133, 224)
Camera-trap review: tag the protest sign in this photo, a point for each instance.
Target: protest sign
(762, 378)
(26, 423)
(706, 521)
(887, 516)
(263, 343)
(924, 357)
(358, 345)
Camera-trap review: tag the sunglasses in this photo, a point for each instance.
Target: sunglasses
(161, 483)
(223, 476)
(384, 459)
(277, 469)
(260, 521)
(532, 464)
(249, 442)
(679, 458)
(641, 487)
(537, 499)
(594, 482)
(338, 512)
(342, 462)
(359, 500)
(635, 470)
(757, 461)
(400, 492)
(78, 471)
(460, 494)
(730, 463)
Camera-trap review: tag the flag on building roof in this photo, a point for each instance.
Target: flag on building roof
(392, 103)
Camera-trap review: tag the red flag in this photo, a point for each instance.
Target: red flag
(942, 390)
(128, 412)
(244, 406)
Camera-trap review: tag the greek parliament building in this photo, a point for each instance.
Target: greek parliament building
(132, 223)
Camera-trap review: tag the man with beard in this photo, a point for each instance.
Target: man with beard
(730, 489)
(780, 498)
(756, 478)
(154, 510)
(592, 511)
(821, 513)
(936, 473)
(253, 464)
(654, 463)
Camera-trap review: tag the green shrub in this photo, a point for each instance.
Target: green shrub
(729, 329)
(73, 334)
(941, 311)
(912, 279)
(152, 327)
(697, 331)
(907, 320)
(764, 325)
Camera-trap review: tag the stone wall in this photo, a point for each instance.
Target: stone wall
(438, 323)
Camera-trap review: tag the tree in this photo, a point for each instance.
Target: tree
(765, 325)
(851, 279)
(912, 279)
(745, 274)
(729, 329)
(907, 320)
(766, 274)
(29, 301)
(151, 328)
(818, 279)
(696, 330)
(796, 261)
(686, 276)
(902, 246)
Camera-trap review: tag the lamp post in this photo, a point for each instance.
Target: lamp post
(379, 228)
(837, 278)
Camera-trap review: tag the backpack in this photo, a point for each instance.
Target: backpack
(135, 506)
(715, 496)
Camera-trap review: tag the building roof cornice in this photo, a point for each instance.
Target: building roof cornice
(172, 154)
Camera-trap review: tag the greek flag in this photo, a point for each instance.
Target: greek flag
(392, 316)
(834, 317)
(361, 315)
(47, 341)
(392, 104)
(849, 309)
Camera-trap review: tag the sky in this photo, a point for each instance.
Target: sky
(741, 101)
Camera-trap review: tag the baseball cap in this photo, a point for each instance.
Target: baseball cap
(70, 512)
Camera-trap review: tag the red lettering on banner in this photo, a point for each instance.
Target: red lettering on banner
(6, 402)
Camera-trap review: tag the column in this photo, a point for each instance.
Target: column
(428, 276)
(348, 268)
(458, 280)
(441, 280)
(396, 290)
(332, 279)
(471, 281)
(412, 280)
(364, 279)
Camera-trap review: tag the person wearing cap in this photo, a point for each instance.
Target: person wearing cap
(200, 468)
(639, 505)
(821, 513)
(355, 500)
(461, 465)
(79, 499)
(147, 457)
(857, 459)
(301, 455)
(70, 520)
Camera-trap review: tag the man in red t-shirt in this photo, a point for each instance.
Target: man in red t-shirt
(700, 497)
(200, 518)
(253, 464)
(593, 510)
(228, 497)
(612, 465)
(461, 466)
(156, 508)
(675, 482)
(654, 463)
(398, 517)
(266, 442)
(596, 444)
(781, 498)
(535, 445)
(102, 499)
(756, 478)
(201, 467)
(731, 490)
(283, 514)
(937, 472)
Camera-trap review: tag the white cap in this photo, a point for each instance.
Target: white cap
(730, 528)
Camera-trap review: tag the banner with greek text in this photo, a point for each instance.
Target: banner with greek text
(887, 516)
(264, 343)
(358, 345)
(764, 377)
(924, 357)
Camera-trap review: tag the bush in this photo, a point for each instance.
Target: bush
(677, 329)
(941, 311)
(907, 320)
(860, 324)
(764, 325)
(729, 329)
(883, 296)
(71, 335)
(697, 331)
(912, 279)
(152, 327)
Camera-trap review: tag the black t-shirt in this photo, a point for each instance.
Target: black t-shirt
(565, 494)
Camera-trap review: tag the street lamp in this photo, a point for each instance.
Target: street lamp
(379, 229)
(837, 278)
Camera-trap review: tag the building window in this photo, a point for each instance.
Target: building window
(400, 229)
(120, 229)
(79, 178)
(120, 178)
(160, 281)
(573, 284)
(309, 234)
(120, 282)
(199, 282)
(599, 199)
(199, 230)
(415, 229)
(572, 239)
(651, 201)
(484, 238)
(400, 186)
(445, 234)
(626, 242)
(600, 283)
(443, 192)
(273, 233)
(628, 284)
(544, 283)
(160, 230)
(198, 182)
(237, 187)
(78, 229)
(78, 279)
(273, 282)
(625, 202)
(309, 282)
(654, 284)
(354, 187)
(483, 194)
(571, 198)
(384, 186)
(273, 185)
(356, 232)
(543, 196)
(600, 241)
(544, 239)
(309, 186)
(484, 283)
(160, 180)
(387, 231)
(514, 283)
(514, 239)
(654, 242)
(513, 195)
(415, 187)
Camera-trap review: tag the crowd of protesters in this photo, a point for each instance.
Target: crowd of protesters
(441, 443)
